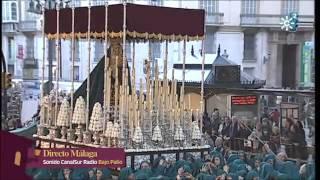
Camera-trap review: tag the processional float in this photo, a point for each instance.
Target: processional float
(157, 116)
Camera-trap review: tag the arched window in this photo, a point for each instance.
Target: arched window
(14, 11)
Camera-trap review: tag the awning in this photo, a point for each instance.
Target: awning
(142, 23)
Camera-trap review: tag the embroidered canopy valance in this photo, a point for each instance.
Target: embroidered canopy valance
(142, 22)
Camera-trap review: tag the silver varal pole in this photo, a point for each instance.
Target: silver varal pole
(183, 80)
(58, 66)
(42, 120)
(202, 86)
(123, 57)
(106, 64)
(72, 73)
(88, 70)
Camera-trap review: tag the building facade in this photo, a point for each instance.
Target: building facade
(248, 30)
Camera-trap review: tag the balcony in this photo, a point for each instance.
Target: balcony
(214, 18)
(9, 27)
(30, 62)
(30, 68)
(30, 74)
(269, 20)
(28, 26)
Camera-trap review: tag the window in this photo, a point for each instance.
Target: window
(9, 11)
(10, 47)
(11, 68)
(77, 51)
(98, 50)
(210, 6)
(209, 42)
(289, 6)
(156, 2)
(128, 52)
(249, 6)
(76, 73)
(98, 2)
(312, 66)
(30, 46)
(249, 46)
(155, 50)
(14, 11)
(51, 50)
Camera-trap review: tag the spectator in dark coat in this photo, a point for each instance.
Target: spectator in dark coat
(286, 130)
(206, 123)
(214, 123)
(266, 129)
(234, 128)
(300, 134)
(225, 126)
(244, 132)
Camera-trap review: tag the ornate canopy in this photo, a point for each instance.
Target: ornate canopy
(142, 23)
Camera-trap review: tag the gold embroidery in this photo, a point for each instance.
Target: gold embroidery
(133, 34)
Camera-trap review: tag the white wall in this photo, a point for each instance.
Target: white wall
(270, 7)
(233, 43)
(306, 7)
(262, 50)
(231, 10)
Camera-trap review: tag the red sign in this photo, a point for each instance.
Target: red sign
(244, 100)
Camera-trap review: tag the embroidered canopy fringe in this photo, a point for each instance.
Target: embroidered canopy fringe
(143, 23)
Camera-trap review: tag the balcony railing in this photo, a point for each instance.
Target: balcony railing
(28, 26)
(269, 20)
(30, 62)
(9, 27)
(214, 18)
(29, 73)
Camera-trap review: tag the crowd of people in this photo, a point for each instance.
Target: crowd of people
(269, 161)
(219, 164)
(259, 132)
